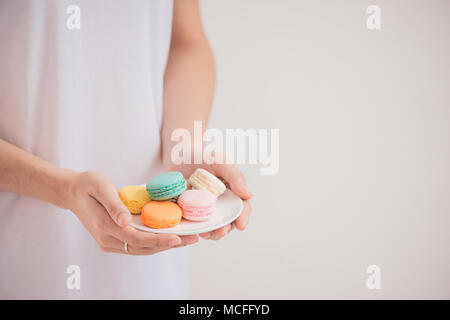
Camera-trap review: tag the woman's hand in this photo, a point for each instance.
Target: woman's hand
(234, 180)
(93, 198)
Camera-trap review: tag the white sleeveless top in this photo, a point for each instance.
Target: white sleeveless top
(84, 99)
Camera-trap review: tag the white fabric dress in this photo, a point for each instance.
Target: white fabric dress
(85, 99)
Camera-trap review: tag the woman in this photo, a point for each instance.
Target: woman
(86, 107)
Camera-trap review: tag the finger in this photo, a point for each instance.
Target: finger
(205, 235)
(220, 233)
(106, 194)
(242, 221)
(216, 234)
(133, 251)
(235, 179)
(188, 240)
(112, 244)
(142, 239)
(119, 244)
(213, 236)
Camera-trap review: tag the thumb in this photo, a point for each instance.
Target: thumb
(235, 179)
(110, 200)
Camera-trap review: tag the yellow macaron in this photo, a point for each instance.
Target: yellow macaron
(134, 198)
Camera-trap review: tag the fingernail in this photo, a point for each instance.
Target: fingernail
(248, 192)
(174, 242)
(123, 219)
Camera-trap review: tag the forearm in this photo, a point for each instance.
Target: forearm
(188, 89)
(28, 175)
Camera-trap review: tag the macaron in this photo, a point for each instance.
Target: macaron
(197, 205)
(166, 186)
(202, 179)
(161, 214)
(134, 198)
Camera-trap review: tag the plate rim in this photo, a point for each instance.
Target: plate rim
(187, 233)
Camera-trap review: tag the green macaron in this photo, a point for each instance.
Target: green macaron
(166, 186)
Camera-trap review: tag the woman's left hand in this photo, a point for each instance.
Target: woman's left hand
(235, 180)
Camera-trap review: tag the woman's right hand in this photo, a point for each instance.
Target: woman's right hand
(94, 199)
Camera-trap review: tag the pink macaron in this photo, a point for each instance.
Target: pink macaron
(197, 205)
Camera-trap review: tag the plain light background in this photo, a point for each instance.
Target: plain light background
(364, 119)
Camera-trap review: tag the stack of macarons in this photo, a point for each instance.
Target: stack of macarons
(165, 200)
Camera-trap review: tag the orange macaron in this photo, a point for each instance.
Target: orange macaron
(161, 214)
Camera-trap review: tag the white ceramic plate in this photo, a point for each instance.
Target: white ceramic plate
(228, 207)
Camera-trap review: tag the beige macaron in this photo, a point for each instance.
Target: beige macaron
(202, 179)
